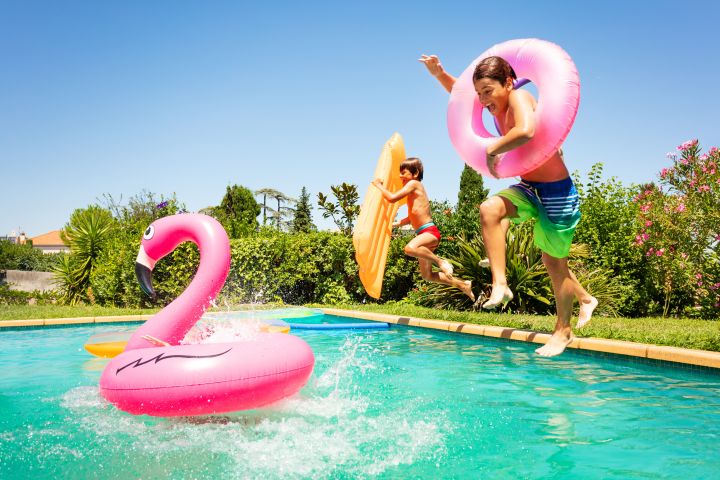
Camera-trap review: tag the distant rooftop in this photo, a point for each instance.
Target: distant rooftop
(50, 239)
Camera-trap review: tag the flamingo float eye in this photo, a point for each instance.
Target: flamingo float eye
(149, 233)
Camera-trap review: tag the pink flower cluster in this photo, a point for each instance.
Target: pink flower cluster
(687, 145)
(642, 238)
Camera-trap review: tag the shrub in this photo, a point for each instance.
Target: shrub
(679, 232)
(608, 227)
(25, 257)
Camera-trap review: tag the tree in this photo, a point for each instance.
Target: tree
(302, 221)
(266, 192)
(472, 193)
(86, 233)
(281, 216)
(141, 210)
(238, 211)
(345, 211)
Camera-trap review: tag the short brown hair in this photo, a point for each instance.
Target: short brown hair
(414, 166)
(495, 68)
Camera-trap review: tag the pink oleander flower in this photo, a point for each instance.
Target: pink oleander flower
(703, 157)
(660, 252)
(684, 255)
(698, 275)
(681, 207)
(713, 151)
(687, 145)
(645, 208)
(703, 188)
(664, 172)
(684, 161)
(648, 223)
(717, 237)
(645, 236)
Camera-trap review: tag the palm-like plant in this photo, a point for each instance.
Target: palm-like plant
(86, 233)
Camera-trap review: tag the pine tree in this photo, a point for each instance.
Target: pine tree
(238, 211)
(302, 222)
(472, 193)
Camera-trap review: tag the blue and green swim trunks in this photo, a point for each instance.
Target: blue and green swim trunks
(555, 206)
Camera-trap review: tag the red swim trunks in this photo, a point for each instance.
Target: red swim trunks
(429, 228)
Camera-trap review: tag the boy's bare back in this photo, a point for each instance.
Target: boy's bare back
(418, 204)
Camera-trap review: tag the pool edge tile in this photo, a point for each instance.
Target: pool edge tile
(68, 321)
(22, 323)
(434, 324)
(684, 355)
(619, 347)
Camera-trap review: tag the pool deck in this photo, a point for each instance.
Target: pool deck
(700, 358)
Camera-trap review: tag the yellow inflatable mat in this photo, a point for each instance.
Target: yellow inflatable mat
(374, 225)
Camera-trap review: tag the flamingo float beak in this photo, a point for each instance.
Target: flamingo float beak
(143, 271)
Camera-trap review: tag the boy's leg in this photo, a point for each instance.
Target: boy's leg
(492, 213)
(564, 292)
(423, 246)
(427, 274)
(587, 302)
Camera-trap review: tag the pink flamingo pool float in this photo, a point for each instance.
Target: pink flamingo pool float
(200, 379)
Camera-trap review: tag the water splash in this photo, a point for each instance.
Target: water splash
(330, 429)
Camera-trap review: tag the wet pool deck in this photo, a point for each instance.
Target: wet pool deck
(699, 358)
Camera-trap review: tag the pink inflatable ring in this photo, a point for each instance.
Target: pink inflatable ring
(553, 72)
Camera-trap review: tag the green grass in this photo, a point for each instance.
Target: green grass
(31, 312)
(676, 332)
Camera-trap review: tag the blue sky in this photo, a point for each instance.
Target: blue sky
(189, 97)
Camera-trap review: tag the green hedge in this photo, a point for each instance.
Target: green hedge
(25, 257)
(267, 267)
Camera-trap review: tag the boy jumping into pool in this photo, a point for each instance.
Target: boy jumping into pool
(427, 237)
(546, 194)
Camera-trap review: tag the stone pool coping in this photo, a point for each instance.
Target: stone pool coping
(701, 358)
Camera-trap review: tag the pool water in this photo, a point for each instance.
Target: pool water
(399, 403)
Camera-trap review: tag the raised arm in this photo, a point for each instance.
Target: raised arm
(400, 223)
(393, 197)
(521, 105)
(432, 63)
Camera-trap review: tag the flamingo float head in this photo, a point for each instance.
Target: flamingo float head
(145, 263)
(165, 234)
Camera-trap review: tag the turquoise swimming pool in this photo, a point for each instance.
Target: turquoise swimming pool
(394, 403)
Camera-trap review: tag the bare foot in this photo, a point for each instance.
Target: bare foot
(466, 288)
(155, 341)
(500, 294)
(586, 310)
(556, 345)
(484, 263)
(446, 268)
